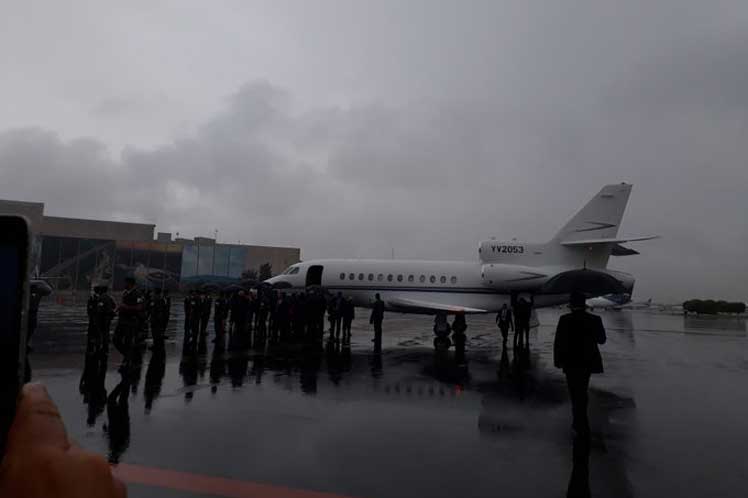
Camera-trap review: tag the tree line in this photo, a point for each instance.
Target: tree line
(712, 307)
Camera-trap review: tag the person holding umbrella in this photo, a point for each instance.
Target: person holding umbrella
(575, 350)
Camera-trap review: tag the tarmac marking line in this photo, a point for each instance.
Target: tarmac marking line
(204, 484)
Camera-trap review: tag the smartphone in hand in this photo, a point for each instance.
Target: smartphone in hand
(15, 241)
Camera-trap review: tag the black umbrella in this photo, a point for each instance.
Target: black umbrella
(590, 282)
(41, 287)
(234, 288)
(210, 287)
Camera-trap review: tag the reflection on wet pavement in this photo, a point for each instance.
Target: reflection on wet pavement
(341, 420)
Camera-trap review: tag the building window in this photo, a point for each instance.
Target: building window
(422, 279)
(399, 278)
(443, 279)
(453, 280)
(389, 277)
(371, 277)
(411, 278)
(342, 276)
(352, 276)
(432, 279)
(360, 276)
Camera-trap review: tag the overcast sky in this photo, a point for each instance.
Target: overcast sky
(349, 128)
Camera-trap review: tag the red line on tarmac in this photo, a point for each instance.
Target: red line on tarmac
(203, 484)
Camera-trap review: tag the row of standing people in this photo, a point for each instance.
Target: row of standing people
(299, 316)
(293, 316)
(138, 313)
(285, 316)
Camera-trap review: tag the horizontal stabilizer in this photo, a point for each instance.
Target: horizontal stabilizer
(426, 306)
(614, 240)
(619, 250)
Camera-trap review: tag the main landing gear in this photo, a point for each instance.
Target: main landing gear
(442, 331)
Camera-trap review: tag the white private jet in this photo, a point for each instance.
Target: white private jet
(576, 258)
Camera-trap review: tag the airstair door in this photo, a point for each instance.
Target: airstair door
(314, 275)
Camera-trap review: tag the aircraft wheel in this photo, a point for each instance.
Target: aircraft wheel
(442, 343)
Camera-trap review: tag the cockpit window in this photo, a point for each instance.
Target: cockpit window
(293, 270)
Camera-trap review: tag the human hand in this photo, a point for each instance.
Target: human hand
(40, 461)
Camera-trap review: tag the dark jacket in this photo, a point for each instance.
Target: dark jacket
(575, 346)
(377, 312)
(509, 319)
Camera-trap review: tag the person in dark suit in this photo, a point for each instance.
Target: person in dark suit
(575, 351)
(522, 316)
(377, 316)
(505, 321)
(349, 313)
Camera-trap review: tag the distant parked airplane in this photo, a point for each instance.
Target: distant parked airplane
(617, 302)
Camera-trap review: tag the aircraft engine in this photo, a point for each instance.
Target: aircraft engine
(513, 278)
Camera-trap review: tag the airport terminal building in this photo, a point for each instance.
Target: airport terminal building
(72, 253)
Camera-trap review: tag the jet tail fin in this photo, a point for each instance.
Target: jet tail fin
(600, 217)
(588, 239)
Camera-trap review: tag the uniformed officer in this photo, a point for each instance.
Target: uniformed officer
(159, 319)
(130, 308)
(206, 303)
(188, 314)
(101, 310)
(167, 300)
(220, 313)
(35, 298)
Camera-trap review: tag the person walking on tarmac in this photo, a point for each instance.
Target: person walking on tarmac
(376, 319)
(505, 321)
(349, 313)
(575, 350)
(522, 314)
(339, 304)
(130, 310)
(332, 316)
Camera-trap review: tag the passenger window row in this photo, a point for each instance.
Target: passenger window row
(400, 278)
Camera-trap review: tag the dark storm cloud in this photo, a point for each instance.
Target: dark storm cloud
(499, 119)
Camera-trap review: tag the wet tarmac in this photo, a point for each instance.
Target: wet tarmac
(669, 416)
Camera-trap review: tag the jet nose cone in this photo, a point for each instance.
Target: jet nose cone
(277, 283)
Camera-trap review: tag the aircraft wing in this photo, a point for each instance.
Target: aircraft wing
(414, 305)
